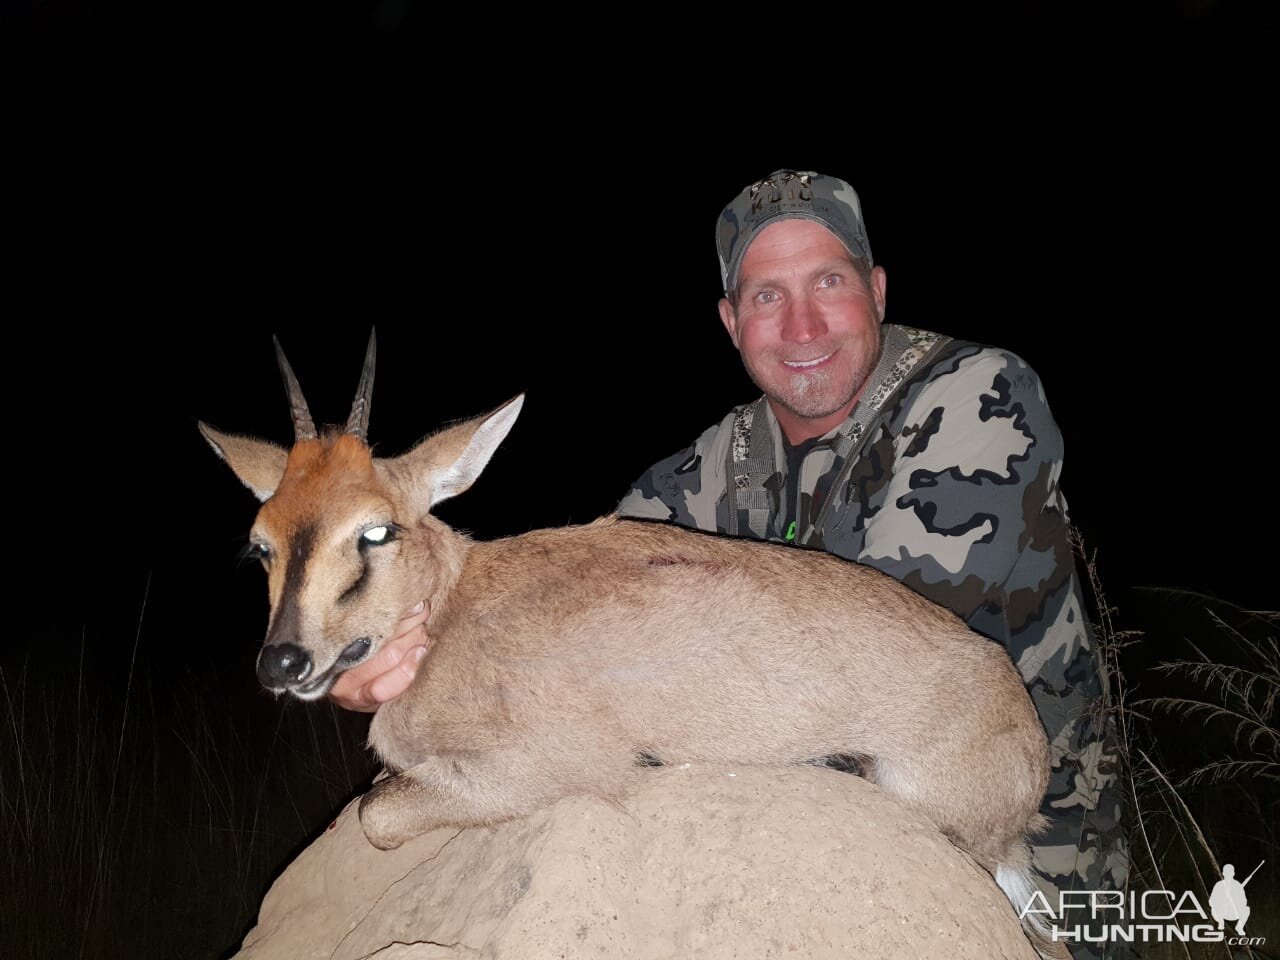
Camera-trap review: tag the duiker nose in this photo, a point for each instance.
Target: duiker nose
(282, 663)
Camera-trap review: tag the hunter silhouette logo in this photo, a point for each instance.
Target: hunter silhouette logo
(1228, 902)
(1156, 916)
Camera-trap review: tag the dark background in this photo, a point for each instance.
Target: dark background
(1112, 224)
(1097, 196)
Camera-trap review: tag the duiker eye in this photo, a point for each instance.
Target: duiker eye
(376, 535)
(255, 551)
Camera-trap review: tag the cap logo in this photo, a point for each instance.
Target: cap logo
(786, 185)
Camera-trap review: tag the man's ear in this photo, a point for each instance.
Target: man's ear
(879, 285)
(730, 320)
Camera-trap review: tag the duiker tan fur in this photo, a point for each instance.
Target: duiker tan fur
(564, 661)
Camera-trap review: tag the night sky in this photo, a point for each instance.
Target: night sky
(1108, 216)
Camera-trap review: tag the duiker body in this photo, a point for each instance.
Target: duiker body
(565, 661)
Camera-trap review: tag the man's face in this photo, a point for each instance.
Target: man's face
(807, 328)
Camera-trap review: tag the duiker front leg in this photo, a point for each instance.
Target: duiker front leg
(474, 789)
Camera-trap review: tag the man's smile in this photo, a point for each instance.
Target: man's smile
(808, 364)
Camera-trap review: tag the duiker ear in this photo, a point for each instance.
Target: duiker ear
(447, 463)
(258, 463)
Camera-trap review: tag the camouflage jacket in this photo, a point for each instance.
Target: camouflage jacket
(945, 476)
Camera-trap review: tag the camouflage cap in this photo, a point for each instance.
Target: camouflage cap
(788, 193)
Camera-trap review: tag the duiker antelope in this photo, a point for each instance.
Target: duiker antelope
(564, 661)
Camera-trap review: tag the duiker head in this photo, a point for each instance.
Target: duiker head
(347, 539)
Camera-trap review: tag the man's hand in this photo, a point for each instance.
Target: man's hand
(388, 673)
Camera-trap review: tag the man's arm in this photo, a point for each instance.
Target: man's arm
(685, 487)
(971, 515)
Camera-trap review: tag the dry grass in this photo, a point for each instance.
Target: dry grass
(144, 814)
(1201, 753)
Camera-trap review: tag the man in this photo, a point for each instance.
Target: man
(934, 460)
